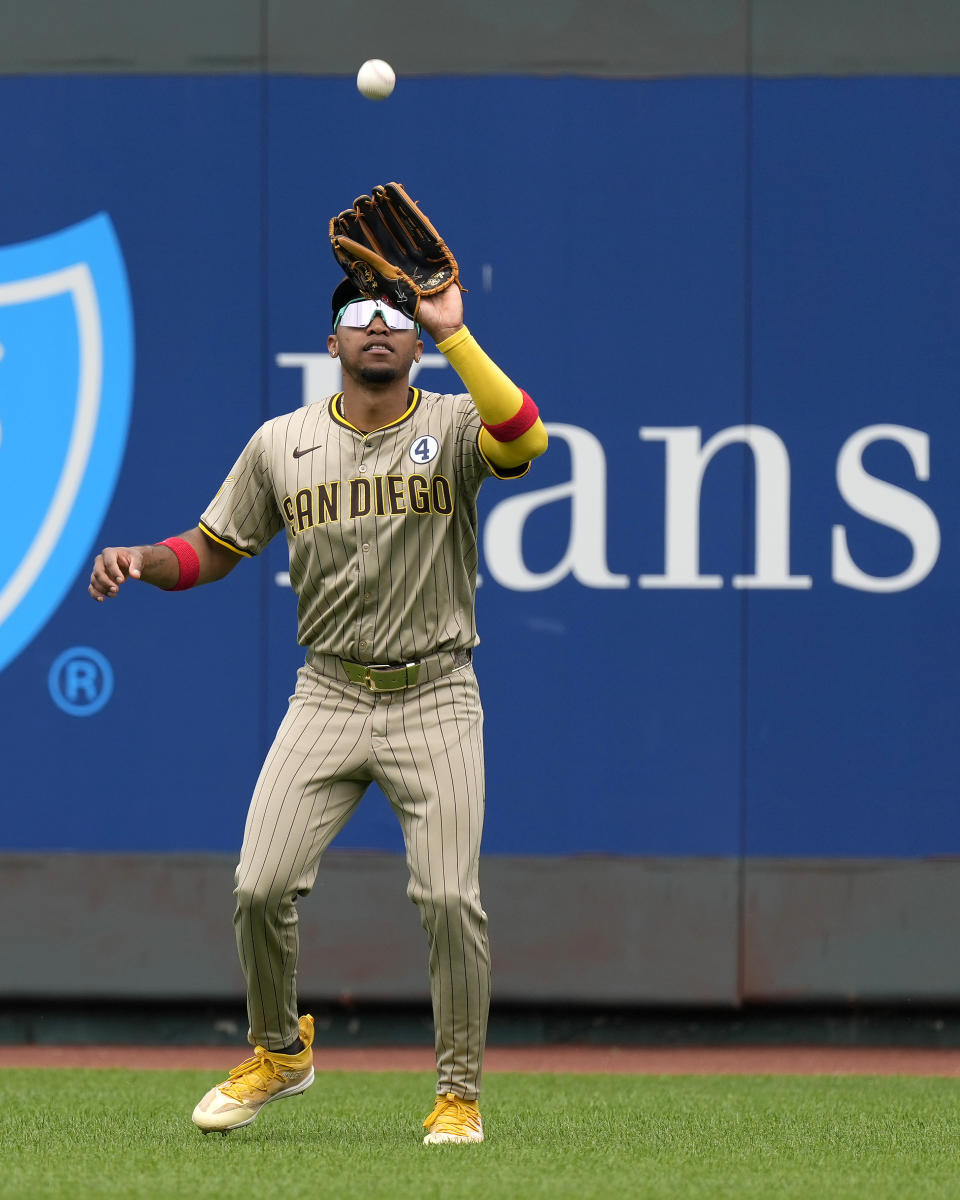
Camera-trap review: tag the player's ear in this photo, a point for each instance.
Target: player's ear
(333, 346)
(418, 351)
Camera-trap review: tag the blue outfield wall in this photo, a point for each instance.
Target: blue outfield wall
(718, 618)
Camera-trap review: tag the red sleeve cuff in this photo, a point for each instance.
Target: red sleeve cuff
(188, 560)
(518, 424)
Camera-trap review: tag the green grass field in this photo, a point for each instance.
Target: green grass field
(89, 1134)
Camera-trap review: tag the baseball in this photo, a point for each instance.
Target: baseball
(376, 79)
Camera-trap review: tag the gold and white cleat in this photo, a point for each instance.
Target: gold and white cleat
(453, 1120)
(254, 1083)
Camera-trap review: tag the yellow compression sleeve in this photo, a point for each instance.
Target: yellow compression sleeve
(496, 397)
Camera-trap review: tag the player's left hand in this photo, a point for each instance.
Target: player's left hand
(390, 250)
(441, 315)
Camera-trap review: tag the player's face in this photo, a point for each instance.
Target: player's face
(377, 353)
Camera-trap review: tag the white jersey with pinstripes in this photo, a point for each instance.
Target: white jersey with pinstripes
(381, 527)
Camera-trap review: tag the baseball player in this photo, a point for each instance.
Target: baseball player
(375, 490)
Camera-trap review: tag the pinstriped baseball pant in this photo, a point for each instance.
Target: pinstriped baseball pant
(423, 746)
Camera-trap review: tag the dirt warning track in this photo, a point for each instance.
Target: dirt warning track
(642, 1060)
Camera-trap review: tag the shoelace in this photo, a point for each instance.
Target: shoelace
(451, 1113)
(253, 1074)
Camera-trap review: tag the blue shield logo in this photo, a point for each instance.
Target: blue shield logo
(66, 389)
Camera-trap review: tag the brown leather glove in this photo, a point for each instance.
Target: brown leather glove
(391, 251)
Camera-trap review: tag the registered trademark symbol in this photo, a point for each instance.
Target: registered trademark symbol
(80, 681)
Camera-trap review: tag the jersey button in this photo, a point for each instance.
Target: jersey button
(366, 546)
(363, 645)
(362, 468)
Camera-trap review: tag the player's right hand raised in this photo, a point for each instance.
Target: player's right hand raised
(111, 567)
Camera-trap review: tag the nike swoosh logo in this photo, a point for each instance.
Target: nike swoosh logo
(298, 453)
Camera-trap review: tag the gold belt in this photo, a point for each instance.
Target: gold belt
(382, 679)
(390, 677)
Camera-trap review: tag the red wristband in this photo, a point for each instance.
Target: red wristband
(518, 424)
(187, 559)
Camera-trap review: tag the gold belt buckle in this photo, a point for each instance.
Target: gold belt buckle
(391, 679)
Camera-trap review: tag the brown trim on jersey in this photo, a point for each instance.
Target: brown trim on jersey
(503, 472)
(334, 411)
(216, 537)
(341, 420)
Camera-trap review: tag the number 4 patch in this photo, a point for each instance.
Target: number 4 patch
(425, 449)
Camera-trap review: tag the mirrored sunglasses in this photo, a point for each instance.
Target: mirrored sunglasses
(359, 313)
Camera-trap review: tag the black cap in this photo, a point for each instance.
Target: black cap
(345, 291)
